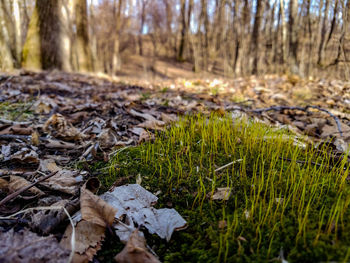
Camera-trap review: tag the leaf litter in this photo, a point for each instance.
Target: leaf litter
(77, 117)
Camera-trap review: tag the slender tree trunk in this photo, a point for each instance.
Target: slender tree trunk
(254, 46)
(116, 64)
(180, 56)
(323, 33)
(169, 15)
(143, 20)
(206, 34)
(293, 37)
(82, 36)
(284, 44)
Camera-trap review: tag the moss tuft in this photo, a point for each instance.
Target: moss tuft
(276, 204)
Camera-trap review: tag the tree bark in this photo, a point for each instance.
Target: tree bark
(82, 37)
(323, 34)
(254, 47)
(46, 42)
(143, 20)
(293, 37)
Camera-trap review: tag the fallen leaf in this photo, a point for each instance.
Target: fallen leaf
(136, 202)
(152, 125)
(145, 116)
(96, 210)
(222, 194)
(66, 181)
(35, 138)
(27, 247)
(88, 238)
(25, 156)
(59, 127)
(135, 251)
(17, 183)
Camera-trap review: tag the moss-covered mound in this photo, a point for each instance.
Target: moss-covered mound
(286, 200)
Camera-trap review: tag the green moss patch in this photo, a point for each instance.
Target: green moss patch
(19, 110)
(283, 197)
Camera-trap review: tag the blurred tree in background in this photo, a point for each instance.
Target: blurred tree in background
(227, 37)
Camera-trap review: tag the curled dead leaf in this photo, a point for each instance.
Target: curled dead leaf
(96, 210)
(58, 126)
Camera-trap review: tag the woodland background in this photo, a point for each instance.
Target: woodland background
(224, 37)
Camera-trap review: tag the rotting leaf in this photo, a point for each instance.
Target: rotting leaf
(25, 246)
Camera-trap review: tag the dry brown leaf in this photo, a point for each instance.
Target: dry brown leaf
(135, 251)
(58, 126)
(26, 156)
(107, 138)
(88, 238)
(94, 209)
(58, 144)
(4, 185)
(222, 194)
(145, 116)
(44, 105)
(152, 125)
(168, 118)
(48, 165)
(17, 183)
(35, 138)
(66, 181)
(18, 129)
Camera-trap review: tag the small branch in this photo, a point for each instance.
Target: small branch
(4, 121)
(18, 192)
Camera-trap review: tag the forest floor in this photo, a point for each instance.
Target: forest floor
(61, 131)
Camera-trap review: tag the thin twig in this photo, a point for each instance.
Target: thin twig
(226, 165)
(18, 192)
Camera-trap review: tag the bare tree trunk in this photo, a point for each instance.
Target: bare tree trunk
(254, 45)
(204, 14)
(82, 36)
(323, 33)
(116, 63)
(44, 47)
(183, 31)
(6, 59)
(284, 44)
(95, 61)
(169, 15)
(143, 20)
(293, 37)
